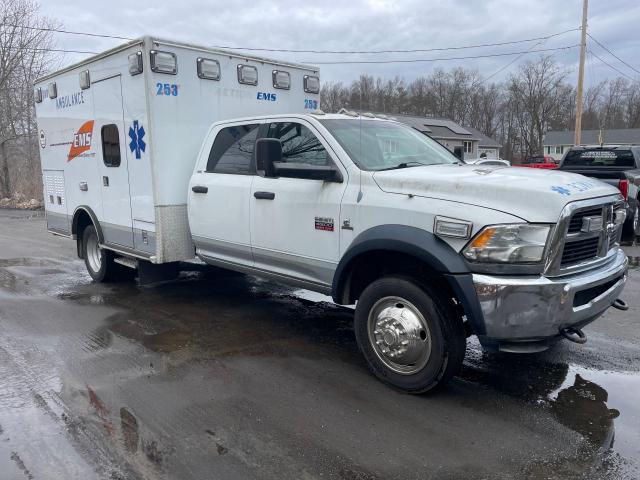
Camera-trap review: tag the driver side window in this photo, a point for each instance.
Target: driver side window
(299, 144)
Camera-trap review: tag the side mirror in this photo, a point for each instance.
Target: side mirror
(268, 152)
(326, 173)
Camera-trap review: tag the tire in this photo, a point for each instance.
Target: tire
(99, 262)
(394, 310)
(631, 227)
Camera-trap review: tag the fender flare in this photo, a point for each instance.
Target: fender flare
(423, 245)
(92, 216)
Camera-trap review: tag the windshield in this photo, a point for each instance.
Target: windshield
(600, 158)
(380, 145)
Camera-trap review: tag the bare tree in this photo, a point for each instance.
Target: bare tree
(25, 55)
(537, 93)
(633, 106)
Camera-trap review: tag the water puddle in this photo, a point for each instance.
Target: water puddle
(603, 406)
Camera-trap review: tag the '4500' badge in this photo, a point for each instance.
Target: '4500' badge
(324, 223)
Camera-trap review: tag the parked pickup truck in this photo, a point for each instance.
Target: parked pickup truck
(429, 249)
(365, 209)
(539, 161)
(616, 165)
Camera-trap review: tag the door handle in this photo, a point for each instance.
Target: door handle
(264, 195)
(105, 181)
(199, 189)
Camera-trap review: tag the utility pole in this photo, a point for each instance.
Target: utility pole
(577, 139)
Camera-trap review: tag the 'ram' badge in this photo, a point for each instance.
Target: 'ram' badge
(324, 223)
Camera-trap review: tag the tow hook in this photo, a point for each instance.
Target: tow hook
(620, 304)
(574, 335)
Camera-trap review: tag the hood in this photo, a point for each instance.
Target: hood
(531, 194)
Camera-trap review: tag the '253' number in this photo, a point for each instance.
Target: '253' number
(167, 89)
(310, 104)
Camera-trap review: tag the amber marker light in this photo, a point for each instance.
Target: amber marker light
(481, 240)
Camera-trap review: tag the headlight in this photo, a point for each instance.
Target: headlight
(517, 243)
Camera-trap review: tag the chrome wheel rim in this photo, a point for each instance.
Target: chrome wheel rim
(399, 335)
(94, 254)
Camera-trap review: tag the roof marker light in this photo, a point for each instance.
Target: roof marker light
(85, 79)
(208, 68)
(164, 62)
(135, 63)
(247, 74)
(281, 79)
(311, 84)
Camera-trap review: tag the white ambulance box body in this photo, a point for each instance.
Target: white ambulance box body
(120, 133)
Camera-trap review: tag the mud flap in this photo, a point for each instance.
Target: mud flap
(149, 273)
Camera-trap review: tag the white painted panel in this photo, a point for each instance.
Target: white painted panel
(116, 199)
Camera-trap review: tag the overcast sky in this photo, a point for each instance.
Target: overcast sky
(367, 25)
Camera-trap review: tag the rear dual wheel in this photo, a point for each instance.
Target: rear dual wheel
(410, 335)
(99, 262)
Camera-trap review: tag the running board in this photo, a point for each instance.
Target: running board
(127, 262)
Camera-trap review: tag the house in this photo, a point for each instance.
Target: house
(556, 143)
(467, 142)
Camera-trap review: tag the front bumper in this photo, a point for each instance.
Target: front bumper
(532, 310)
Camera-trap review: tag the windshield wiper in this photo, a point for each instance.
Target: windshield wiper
(404, 165)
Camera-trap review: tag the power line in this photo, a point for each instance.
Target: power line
(613, 54)
(612, 67)
(63, 50)
(417, 60)
(57, 30)
(510, 63)
(416, 50)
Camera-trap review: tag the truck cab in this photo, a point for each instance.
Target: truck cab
(540, 161)
(617, 165)
(430, 250)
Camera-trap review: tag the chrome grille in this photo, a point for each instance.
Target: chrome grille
(580, 250)
(575, 224)
(586, 236)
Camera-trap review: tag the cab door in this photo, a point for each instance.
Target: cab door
(219, 195)
(111, 148)
(295, 229)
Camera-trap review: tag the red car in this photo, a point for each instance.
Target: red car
(540, 161)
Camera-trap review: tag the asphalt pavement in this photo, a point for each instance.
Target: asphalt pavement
(225, 376)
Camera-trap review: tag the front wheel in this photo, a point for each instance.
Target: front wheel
(410, 336)
(99, 262)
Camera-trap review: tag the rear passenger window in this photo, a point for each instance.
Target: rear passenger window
(232, 150)
(110, 145)
(299, 144)
(600, 157)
